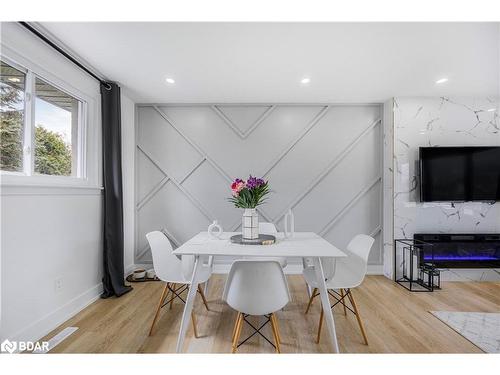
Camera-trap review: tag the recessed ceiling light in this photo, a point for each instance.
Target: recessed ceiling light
(442, 80)
(492, 110)
(305, 81)
(170, 80)
(14, 79)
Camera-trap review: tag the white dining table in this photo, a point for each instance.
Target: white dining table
(300, 244)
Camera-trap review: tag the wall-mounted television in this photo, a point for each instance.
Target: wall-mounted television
(459, 174)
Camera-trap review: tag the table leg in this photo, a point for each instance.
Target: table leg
(205, 288)
(304, 266)
(188, 306)
(325, 302)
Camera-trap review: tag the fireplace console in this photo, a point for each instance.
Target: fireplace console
(460, 250)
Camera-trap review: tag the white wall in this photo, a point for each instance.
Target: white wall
(128, 145)
(441, 122)
(44, 238)
(47, 232)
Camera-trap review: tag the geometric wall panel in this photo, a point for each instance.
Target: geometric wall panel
(243, 119)
(323, 161)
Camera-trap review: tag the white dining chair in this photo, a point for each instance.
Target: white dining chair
(269, 228)
(176, 273)
(256, 287)
(345, 275)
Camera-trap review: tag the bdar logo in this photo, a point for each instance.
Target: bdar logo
(8, 346)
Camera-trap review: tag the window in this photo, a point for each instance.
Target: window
(12, 84)
(56, 131)
(39, 137)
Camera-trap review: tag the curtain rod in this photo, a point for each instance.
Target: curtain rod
(62, 52)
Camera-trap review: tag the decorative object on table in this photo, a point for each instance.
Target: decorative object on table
(289, 224)
(263, 239)
(214, 230)
(248, 195)
(414, 274)
(250, 224)
(139, 274)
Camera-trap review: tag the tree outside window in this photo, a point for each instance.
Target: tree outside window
(53, 147)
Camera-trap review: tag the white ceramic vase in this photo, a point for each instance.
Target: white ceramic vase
(250, 224)
(214, 230)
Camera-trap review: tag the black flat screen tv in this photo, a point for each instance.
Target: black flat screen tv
(459, 174)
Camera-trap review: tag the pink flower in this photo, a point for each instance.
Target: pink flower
(237, 186)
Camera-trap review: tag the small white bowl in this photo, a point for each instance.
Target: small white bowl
(150, 274)
(139, 274)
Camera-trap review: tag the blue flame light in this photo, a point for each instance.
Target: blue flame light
(457, 257)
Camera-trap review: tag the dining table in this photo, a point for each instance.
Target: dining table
(305, 245)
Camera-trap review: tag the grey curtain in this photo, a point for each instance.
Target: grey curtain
(113, 279)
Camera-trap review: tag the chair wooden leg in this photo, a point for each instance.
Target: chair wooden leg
(239, 324)
(313, 294)
(275, 333)
(173, 285)
(320, 326)
(343, 300)
(203, 297)
(194, 324)
(235, 326)
(164, 295)
(277, 327)
(358, 317)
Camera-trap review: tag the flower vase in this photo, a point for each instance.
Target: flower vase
(250, 224)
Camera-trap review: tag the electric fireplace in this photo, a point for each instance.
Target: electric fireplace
(460, 250)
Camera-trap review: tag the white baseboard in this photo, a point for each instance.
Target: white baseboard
(375, 269)
(43, 326)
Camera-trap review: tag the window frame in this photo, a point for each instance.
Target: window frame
(79, 177)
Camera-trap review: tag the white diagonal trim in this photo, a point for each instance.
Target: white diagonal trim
(235, 225)
(301, 135)
(235, 128)
(373, 233)
(192, 170)
(155, 188)
(203, 154)
(169, 235)
(264, 215)
(228, 122)
(259, 121)
(348, 206)
(152, 193)
(197, 203)
(327, 170)
(376, 231)
(143, 252)
(194, 145)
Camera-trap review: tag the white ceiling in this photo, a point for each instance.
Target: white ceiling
(264, 62)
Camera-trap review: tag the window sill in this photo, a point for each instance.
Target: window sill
(46, 185)
(31, 189)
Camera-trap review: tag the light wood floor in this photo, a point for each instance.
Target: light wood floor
(396, 321)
